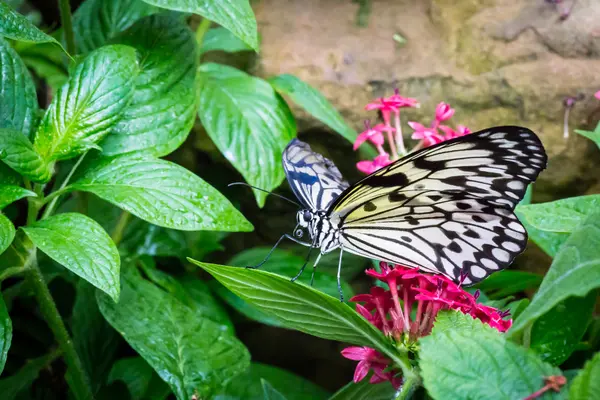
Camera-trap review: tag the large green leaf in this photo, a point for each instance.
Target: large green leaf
(247, 385)
(17, 152)
(364, 390)
(270, 393)
(474, 361)
(7, 232)
(235, 15)
(18, 100)
(557, 333)
(18, 27)
(94, 339)
(586, 385)
(80, 244)
(561, 215)
(301, 307)
(222, 39)
(12, 385)
(194, 356)
(162, 193)
(575, 271)
(97, 21)
(314, 103)
(550, 242)
(5, 333)
(163, 109)
(140, 379)
(10, 193)
(249, 123)
(87, 107)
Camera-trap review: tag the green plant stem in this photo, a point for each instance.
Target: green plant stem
(201, 31)
(54, 196)
(117, 234)
(409, 386)
(10, 272)
(67, 24)
(50, 313)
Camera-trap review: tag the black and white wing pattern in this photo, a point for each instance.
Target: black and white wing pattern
(448, 208)
(315, 180)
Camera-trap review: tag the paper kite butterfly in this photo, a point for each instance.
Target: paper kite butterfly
(446, 209)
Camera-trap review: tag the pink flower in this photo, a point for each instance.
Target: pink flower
(385, 106)
(368, 167)
(443, 112)
(374, 135)
(367, 358)
(450, 133)
(402, 102)
(429, 136)
(597, 95)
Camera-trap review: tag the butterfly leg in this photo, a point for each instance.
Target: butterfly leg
(274, 247)
(312, 276)
(339, 284)
(303, 265)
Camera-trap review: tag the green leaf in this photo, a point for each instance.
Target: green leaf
(140, 379)
(94, 339)
(81, 245)
(235, 15)
(249, 123)
(574, 272)
(314, 103)
(97, 21)
(18, 100)
(586, 385)
(222, 39)
(12, 385)
(301, 307)
(17, 27)
(244, 308)
(10, 193)
(87, 107)
(46, 60)
(557, 333)
(248, 386)
(549, 242)
(593, 136)
(364, 390)
(287, 264)
(7, 234)
(507, 282)
(269, 391)
(5, 333)
(17, 152)
(164, 104)
(477, 362)
(561, 215)
(161, 192)
(517, 307)
(193, 356)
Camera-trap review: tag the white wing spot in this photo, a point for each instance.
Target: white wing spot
(489, 263)
(514, 235)
(510, 246)
(501, 255)
(515, 185)
(515, 226)
(477, 272)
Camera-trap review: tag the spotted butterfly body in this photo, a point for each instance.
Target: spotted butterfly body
(445, 209)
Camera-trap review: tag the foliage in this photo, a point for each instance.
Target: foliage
(111, 255)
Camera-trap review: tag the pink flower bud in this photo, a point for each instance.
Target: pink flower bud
(443, 112)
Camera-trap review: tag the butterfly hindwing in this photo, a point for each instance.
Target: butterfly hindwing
(447, 208)
(315, 180)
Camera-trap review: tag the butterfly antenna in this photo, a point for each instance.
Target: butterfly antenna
(266, 191)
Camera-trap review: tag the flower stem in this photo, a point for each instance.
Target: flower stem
(409, 386)
(53, 319)
(67, 23)
(399, 138)
(117, 234)
(53, 197)
(201, 31)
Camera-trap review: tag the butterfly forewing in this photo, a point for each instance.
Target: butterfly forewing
(445, 209)
(315, 180)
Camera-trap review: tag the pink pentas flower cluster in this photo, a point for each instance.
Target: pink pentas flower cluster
(391, 312)
(390, 131)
